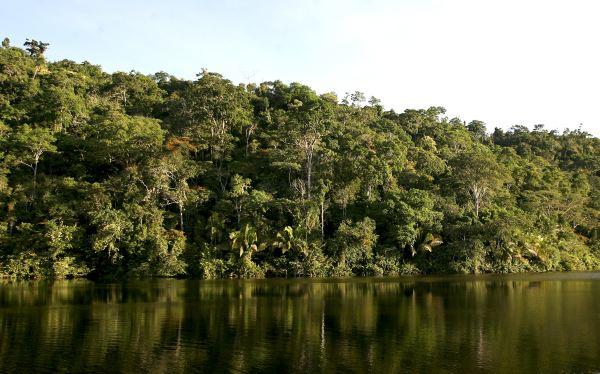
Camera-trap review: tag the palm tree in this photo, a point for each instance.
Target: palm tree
(245, 240)
(287, 241)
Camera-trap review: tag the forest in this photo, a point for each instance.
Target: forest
(130, 175)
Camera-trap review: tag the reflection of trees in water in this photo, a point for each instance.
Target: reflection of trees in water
(307, 325)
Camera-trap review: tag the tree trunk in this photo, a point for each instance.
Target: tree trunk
(35, 167)
(323, 219)
(477, 192)
(247, 145)
(181, 217)
(308, 172)
(220, 175)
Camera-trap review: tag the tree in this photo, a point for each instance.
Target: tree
(245, 241)
(308, 128)
(209, 111)
(286, 240)
(170, 176)
(239, 194)
(412, 220)
(123, 140)
(477, 172)
(354, 242)
(477, 129)
(31, 143)
(138, 94)
(35, 48)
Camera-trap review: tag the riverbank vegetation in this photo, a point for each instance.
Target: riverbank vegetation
(123, 174)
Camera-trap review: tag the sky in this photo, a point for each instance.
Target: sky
(505, 62)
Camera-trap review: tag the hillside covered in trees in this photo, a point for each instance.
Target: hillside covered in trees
(123, 174)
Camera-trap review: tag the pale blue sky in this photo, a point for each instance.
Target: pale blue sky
(505, 62)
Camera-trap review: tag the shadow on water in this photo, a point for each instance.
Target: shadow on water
(522, 323)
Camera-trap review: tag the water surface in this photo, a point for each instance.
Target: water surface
(523, 323)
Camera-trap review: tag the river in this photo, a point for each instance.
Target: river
(457, 324)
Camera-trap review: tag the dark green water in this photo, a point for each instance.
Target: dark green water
(526, 323)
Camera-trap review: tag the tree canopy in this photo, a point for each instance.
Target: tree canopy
(123, 174)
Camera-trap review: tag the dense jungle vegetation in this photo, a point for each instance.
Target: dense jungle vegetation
(123, 174)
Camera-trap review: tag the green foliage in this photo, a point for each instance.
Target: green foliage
(245, 241)
(210, 266)
(353, 244)
(116, 175)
